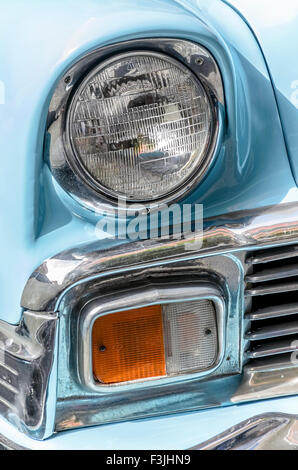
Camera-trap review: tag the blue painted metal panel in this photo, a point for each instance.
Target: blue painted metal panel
(276, 29)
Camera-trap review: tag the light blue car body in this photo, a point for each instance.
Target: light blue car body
(256, 163)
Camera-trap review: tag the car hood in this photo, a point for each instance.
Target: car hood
(275, 26)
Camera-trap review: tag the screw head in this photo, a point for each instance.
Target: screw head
(199, 61)
(67, 79)
(208, 331)
(102, 348)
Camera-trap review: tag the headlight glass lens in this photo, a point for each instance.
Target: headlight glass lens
(140, 126)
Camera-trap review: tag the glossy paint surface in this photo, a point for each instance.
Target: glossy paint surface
(251, 168)
(275, 25)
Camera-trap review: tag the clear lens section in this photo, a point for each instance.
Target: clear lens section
(190, 332)
(140, 125)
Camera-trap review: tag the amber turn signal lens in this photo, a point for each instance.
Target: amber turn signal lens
(129, 345)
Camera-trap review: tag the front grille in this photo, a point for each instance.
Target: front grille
(9, 382)
(272, 296)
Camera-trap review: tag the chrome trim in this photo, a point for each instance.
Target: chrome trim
(273, 312)
(27, 355)
(268, 378)
(267, 332)
(7, 444)
(274, 255)
(136, 298)
(77, 405)
(275, 347)
(270, 431)
(274, 334)
(272, 288)
(58, 150)
(226, 234)
(273, 274)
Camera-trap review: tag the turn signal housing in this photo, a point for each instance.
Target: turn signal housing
(154, 341)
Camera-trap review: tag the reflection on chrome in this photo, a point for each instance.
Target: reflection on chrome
(272, 431)
(267, 226)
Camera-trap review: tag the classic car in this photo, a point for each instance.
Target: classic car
(149, 224)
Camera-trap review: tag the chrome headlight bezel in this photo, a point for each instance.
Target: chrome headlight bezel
(63, 163)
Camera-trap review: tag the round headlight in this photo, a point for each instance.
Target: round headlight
(139, 126)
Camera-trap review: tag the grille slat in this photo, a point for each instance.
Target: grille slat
(272, 288)
(9, 387)
(273, 274)
(273, 331)
(272, 348)
(273, 254)
(270, 364)
(273, 312)
(8, 368)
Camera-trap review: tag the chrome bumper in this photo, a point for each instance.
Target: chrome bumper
(26, 360)
(6, 444)
(31, 352)
(272, 431)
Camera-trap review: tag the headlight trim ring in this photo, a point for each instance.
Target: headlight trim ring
(64, 166)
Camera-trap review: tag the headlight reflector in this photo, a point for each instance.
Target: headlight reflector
(140, 125)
